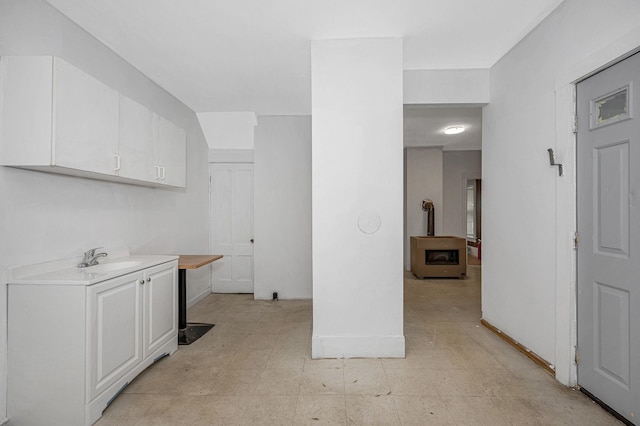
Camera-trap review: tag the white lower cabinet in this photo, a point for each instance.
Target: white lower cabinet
(73, 349)
(160, 298)
(115, 307)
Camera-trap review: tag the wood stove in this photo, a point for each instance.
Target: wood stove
(438, 257)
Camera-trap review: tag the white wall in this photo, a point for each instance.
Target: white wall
(46, 216)
(470, 86)
(282, 207)
(423, 179)
(458, 166)
(526, 226)
(356, 181)
(228, 130)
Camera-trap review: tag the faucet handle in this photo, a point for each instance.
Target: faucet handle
(91, 252)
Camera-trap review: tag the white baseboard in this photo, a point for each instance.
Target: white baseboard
(4, 421)
(282, 298)
(357, 347)
(197, 298)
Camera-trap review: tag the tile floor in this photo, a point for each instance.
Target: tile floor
(254, 367)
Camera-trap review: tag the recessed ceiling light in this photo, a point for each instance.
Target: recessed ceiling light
(453, 130)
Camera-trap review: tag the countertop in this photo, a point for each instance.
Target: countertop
(66, 272)
(194, 261)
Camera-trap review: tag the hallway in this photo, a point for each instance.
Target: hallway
(254, 367)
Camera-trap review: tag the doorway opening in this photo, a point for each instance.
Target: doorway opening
(443, 171)
(231, 211)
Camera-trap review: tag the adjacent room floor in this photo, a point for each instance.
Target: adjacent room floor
(254, 367)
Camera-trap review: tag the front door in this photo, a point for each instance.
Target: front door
(609, 236)
(232, 227)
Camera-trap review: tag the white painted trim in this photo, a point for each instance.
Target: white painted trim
(615, 52)
(231, 156)
(465, 178)
(269, 299)
(358, 347)
(463, 204)
(566, 297)
(566, 193)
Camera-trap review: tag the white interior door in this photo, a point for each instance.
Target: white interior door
(232, 227)
(609, 231)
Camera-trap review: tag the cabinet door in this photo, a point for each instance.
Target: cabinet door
(160, 307)
(85, 117)
(172, 153)
(115, 329)
(25, 110)
(136, 141)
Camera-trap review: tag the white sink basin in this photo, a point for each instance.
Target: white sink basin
(66, 271)
(113, 266)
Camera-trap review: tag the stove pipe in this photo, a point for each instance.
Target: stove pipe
(427, 206)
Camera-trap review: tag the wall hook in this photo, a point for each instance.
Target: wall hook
(552, 161)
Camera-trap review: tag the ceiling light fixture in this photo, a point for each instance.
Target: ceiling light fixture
(453, 130)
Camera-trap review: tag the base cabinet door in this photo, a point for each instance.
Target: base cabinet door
(160, 307)
(115, 309)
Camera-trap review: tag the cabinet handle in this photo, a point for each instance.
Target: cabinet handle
(141, 281)
(163, 174)
(149, 279)
(157, 172)
(117, 157)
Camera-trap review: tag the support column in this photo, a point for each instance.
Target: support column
(357, 183)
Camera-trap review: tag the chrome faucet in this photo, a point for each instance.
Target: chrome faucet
(91, 257)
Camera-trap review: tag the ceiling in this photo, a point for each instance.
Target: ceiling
(424, 127)
(254, 55)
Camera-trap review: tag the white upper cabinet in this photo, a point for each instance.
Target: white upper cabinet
(151, 148)
(85, 117)
(25, 110)
(136, 148)
(57, 118)
(171, 153)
